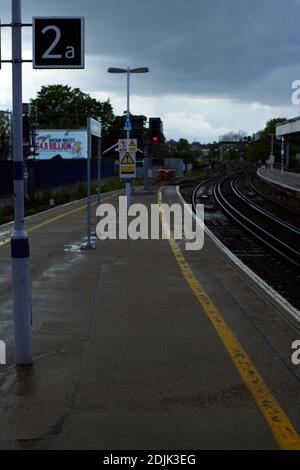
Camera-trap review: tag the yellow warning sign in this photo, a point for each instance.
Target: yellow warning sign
(128, 170)
(127, 165)
(127, 159)
(132, 145)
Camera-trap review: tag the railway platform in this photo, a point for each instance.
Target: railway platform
(140, 344)
(288, 180)
(285, 190)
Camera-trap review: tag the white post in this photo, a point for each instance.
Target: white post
(88, 205)
(128, 105)
(127, 182)
(99, 158)
(282, 155)
(21, 288)
(272, 151)
(287, 158)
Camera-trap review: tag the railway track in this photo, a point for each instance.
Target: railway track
(267, 228)
(267, 244)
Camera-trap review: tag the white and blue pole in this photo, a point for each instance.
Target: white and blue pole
(21, 285)
(127, 182)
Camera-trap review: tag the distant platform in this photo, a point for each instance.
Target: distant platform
(289, 180)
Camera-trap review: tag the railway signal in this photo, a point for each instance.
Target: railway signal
(156, 130)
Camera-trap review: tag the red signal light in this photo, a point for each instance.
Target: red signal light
(155, 139)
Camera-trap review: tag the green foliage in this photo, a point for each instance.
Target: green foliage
(4, 136)
(260, 151)
(182, 145)
(61, 107)
(271, 127)
(116, 130)
(257, 152)
(62, 197)
(6, 214)
(196, 173)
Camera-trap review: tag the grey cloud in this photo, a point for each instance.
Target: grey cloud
(234, 49)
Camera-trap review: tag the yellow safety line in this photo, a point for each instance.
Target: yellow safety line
(53, 219)
(283, 431)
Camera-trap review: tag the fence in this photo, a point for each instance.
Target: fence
(47, 174)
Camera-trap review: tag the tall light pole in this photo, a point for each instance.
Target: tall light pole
(128, 71)
(21, 287)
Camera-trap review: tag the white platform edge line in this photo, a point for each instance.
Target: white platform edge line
(268, 290)
(277, 183)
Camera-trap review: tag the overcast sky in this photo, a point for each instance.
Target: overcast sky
(215, 65)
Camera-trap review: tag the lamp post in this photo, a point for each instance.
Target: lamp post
(21, 285)
(128, 71)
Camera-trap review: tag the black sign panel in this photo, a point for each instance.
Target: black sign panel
(58, 43)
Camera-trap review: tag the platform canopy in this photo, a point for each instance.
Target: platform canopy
(289, 127)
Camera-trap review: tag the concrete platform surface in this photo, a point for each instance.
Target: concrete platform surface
(129, 352)
(287, 180)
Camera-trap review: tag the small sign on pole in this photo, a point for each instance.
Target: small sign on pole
(127, 165)
(128, 125)
(95, 127)
(132, 145)
(122, 145)
(58, 42)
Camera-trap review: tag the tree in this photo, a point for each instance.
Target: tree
(234, 136)
(4, 136)
(271, 127)
(182, 145)
(116, 130)
(260, 151)
(61, 107)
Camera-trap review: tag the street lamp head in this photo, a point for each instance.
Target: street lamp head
(139, 70)
(119, 70)
(116, 70)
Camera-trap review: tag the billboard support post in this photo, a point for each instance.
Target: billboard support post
(89, 185)
(21, 286)
(93, 129)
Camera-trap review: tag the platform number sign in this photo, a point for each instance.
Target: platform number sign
(58, 43)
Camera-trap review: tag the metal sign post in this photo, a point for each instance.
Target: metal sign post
(93, 129)
(127, 164)
(19, 240)
(89, 156)
(64, 50)
(99, 158)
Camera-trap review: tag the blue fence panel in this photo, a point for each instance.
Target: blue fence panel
(47, 174)
(51, 173)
